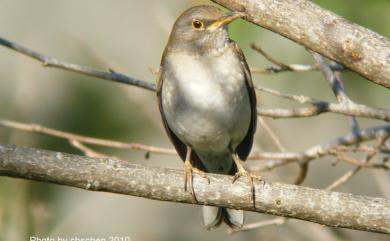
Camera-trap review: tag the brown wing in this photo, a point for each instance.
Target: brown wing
(180, 147)
(244, 148)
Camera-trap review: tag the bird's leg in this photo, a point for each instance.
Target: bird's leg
(188, 171)
(242, 172)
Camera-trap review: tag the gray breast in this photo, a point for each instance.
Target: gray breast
(205, 100)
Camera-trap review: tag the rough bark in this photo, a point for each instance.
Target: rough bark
(358, 48)
(323, 207)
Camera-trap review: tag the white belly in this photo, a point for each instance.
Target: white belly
(206, 102)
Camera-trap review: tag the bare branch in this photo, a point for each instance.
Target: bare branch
(275, 221)
(303, 167)
(334, 80)
(303, 99)
(52, 62)
(88, 151)
(350, 174)
(344, 105)
(324, 107)
(361, 164)
(84, 139)
(344, 178)
(322, 31)
(329, 148)
(271, 133)
(281, 67)
(327, 208)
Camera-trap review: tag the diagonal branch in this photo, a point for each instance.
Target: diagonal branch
(282, 67)
(322, 31)
(323, 207)
(48, 61)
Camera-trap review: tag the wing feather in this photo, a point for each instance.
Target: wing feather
(244, 148)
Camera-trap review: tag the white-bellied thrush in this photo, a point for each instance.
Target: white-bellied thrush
(207, 102)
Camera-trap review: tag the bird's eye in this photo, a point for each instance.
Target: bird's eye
(197, 24)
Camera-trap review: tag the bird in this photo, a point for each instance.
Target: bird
(207, 102)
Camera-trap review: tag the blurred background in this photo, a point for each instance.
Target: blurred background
(129, 37)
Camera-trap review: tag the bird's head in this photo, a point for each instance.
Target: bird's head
(201, 29)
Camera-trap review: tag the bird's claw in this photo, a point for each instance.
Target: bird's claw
(188, 178)
(243, 173)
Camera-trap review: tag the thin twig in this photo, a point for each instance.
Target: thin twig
(281, 67)
(269, 58)
(358, 163)
(84, 139)
(344, 105)
(353, 109)
(334, 80)
(271, 133)
(303, 169)
(337, 85)
(328, 148)
(344, 178)
(317, 107)
(88, 151)
(52, 62)
(275, 221)
(303, 99)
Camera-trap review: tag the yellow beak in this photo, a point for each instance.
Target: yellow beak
(226, 19)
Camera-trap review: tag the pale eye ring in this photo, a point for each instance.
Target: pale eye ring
(197, 24)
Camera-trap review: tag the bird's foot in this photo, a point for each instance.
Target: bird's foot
(188, 178)
(241, 172)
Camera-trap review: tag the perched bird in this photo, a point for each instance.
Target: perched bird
(207, 101)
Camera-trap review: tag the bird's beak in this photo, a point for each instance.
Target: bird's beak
(225, 19)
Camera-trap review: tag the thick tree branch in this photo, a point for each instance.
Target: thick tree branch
(323, 207)
(322, 31)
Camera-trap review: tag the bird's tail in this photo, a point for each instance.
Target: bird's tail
(212, 217)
